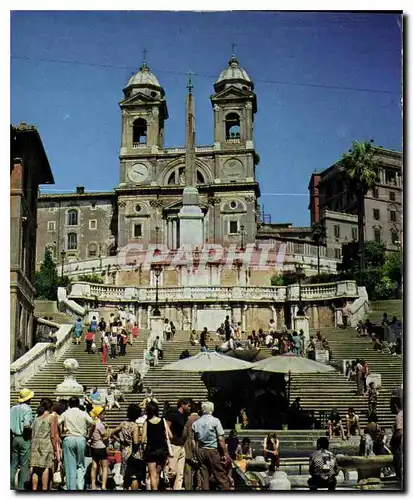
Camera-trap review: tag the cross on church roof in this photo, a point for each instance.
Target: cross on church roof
(144, 57)
(190, 85)
(233, 45)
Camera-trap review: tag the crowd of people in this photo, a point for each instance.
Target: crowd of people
(183, 448)
(232, 337)
(386, 337)
(67, 444)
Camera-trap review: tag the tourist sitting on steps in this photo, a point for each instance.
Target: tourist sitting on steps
(149, 397)
(184, 354)
(271, 453)
(150, 357)
(221, 331)
(352, 423)
(334, 425)
(323, 467)
(109, 375)
(111, 400)
(227, 346)
(372, 398)
(243, 454)
(193, 338)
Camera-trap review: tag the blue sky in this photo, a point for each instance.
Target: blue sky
(68, 70)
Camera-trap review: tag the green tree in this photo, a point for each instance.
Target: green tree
(46, 279)
(319, 235)
(91, 278)
(375, 255)
(361, 168)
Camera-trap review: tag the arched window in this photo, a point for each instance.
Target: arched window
(72, 217)
(199, 178)
(72, 241)
(92, 250)
(177, 176)
(139, 131)
(232, 126)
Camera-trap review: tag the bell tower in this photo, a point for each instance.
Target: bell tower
(144, 112)
(234, 103)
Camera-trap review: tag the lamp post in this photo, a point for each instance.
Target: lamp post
(299, 271)
(157, 269)
(62, 255)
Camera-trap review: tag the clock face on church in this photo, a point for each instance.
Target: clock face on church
(138, 172)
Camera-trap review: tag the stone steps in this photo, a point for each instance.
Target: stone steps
(317, 392)
(49, 308)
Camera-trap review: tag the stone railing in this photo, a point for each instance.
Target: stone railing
(359, 308)
(42, 353)
(314, 292)
(68, 306)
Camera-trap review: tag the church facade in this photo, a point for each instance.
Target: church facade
(144, 209)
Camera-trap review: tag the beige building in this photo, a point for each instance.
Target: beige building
(332, 203)
(29, 167)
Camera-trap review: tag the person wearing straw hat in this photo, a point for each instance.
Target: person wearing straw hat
(98, 439)
(21, 421)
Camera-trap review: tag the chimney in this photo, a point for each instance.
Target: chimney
(80, 190)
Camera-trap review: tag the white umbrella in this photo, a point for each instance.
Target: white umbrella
(208, 362)
(290, 363)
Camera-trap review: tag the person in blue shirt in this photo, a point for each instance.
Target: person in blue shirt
(93, 325)
(21, 420)
(211, 450)
(78, 331)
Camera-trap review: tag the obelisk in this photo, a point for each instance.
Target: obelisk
(191, 218)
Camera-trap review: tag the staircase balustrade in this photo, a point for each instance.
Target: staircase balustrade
(40, 354)
(176, 293)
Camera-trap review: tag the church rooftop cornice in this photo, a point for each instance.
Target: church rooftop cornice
(175, 189)
(68, 196)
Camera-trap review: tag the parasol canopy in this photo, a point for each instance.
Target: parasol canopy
(251, 355)
(290, 363)
(208, 362)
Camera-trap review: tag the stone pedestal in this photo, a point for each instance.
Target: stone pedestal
(156, 327)
(302, 323)
(69, 387)
(191, 219)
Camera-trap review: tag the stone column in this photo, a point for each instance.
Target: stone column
(194, 317)
(14, 321)
(186, 318)
(237, 315)
(244, 318)
(274, 316)
(30, 330)
(302, 323)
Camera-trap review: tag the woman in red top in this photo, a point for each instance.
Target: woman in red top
(104, 357)
(90, 338)
(135, 331)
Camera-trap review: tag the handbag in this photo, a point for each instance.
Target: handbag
(168, 443)
(57, 476)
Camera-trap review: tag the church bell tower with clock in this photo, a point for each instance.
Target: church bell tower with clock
(144, 113)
